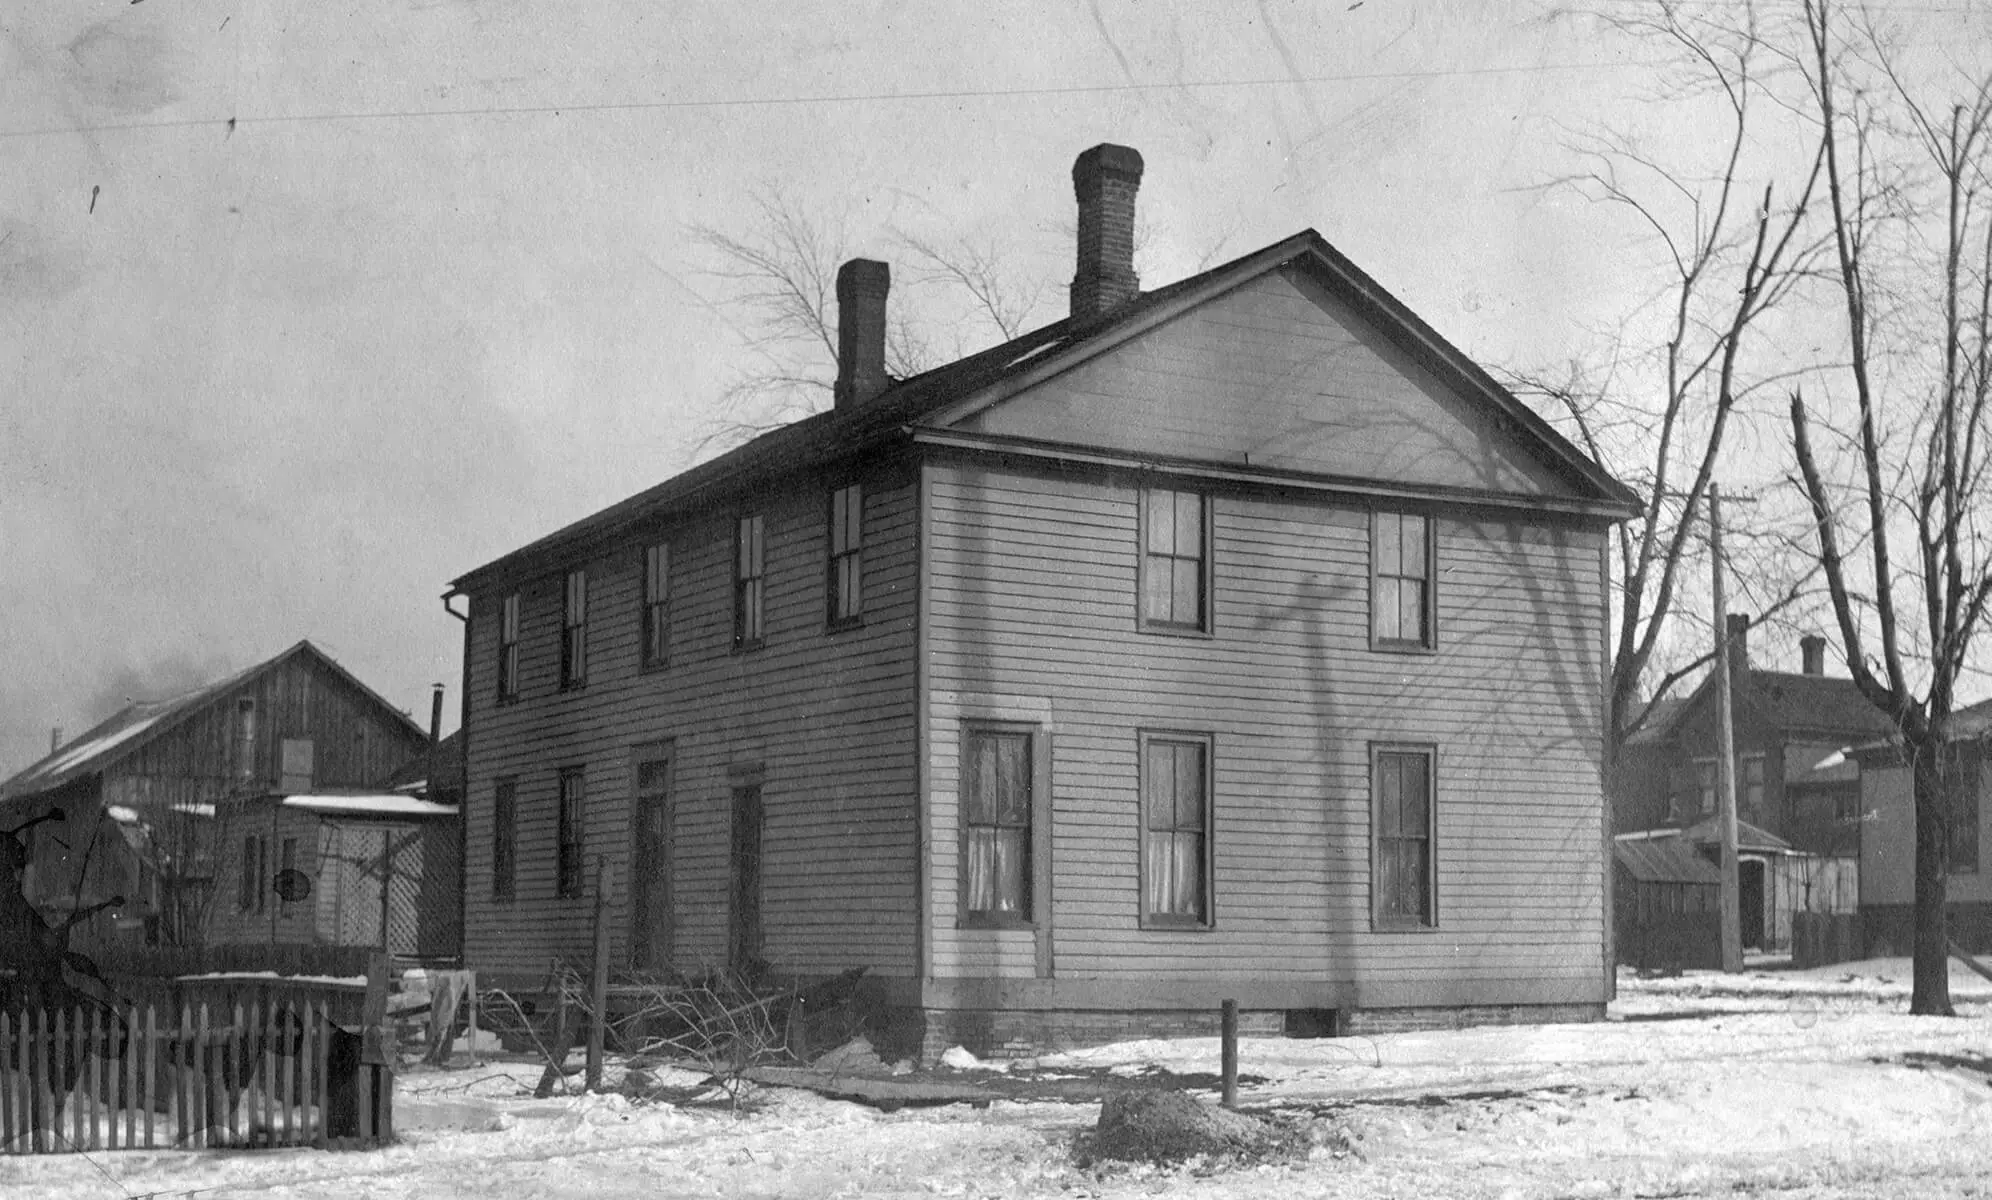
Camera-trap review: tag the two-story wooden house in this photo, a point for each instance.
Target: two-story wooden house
(1241, 638)
(141, 790)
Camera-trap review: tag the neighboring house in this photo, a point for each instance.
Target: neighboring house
(338, 868)
(1795, 786)
(141, 790)
(1239, 639)
(1888, 842)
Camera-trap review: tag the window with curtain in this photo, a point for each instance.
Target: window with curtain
(1175, 807)
(996, 824)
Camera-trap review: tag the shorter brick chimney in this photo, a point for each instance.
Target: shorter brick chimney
(1105, 180)
(861, 287)
(1739, 643)
(1812, 654)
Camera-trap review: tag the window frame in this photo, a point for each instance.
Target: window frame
(574, 628)
(509, 606)
(286, 862)
(1205, 623)
(246, 891)
(504, 839)
(1428, 642)
(750, 592)
(1036, 861)
(1206, 743)
(1708, 787)
(654, 653)
(1744, 802)
(853, 552)
(1382, 921)
(570, 833)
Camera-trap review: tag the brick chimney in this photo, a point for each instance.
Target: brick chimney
(861, 287)
(1739, 643)
(1812, 654)
(1105, 179)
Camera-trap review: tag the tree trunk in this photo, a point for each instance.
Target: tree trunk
(1930, 767)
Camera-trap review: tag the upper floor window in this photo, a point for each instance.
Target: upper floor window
(1750, 784)
(656, 605)
(1708, 781)
(1402, 880)
(750, 567)
(847, 547)
(567, 821)
(574, 630)
(245, 737)
(1175, 820)
(1401, 611)
(508, 647)
(1175, 560)
(996, 825)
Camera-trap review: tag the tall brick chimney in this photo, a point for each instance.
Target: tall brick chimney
(1812, 654)
(1105, 179)
(861, 287)
(1739, 643)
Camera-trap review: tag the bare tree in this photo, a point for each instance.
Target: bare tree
(1912, 235)
(1660, 414)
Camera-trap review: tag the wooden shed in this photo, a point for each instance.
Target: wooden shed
(1668, 903)
(338, 869)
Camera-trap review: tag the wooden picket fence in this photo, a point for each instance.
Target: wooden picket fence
(263, 1071)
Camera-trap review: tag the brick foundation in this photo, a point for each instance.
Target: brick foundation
(1010, 1034)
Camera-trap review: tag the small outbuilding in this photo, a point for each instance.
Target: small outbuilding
(367, 869)
(1668, 903)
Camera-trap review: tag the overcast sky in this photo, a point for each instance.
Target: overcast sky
(307, 308)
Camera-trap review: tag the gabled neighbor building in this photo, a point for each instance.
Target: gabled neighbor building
(1240, 638)
(141, 791)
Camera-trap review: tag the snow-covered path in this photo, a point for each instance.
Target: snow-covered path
(1794, 1084)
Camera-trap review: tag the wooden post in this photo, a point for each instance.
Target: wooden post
(598, 1018)
(1725, 765)
(1228, 1035)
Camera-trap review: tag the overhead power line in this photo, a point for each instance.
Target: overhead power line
(831, 98)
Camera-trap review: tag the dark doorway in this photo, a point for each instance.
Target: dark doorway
(743, 932)
(1750, 902)
(650, 862)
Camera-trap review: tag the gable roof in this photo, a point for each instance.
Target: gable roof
(1826, 707)
(415, 772)
(924, 407)
(139, 722)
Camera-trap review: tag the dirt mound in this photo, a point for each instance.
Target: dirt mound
(1169, 1127)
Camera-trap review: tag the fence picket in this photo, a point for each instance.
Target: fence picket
(203, 1088)
(286, 1108)
(37, 1113)
(94, 1074)
(151, 1052)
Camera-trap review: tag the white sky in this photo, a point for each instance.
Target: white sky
(433, 294)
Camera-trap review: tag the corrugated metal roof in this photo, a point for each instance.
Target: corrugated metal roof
(1664, 860)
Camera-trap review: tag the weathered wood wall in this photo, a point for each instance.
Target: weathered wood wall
(827, 718)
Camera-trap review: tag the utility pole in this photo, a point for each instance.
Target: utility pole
(1725, 769)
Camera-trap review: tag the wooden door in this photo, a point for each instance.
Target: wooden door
(650, 862)
(743, 940)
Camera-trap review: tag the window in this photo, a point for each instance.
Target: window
(1750, 784)
(574, 630)
(245, 738)
(1401, 609)
(247, 893)
(847, 547)
(1175, 808)
(504, 837)
(573, 793)
(1964, 824)
(508, 648)
(288, 861)
(1707, 784)
(1175, 560)
(1403, 878)
(749, 582)
(996, 826)
(657, 605)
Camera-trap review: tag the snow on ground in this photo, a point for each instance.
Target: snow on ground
(1801, 1084)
